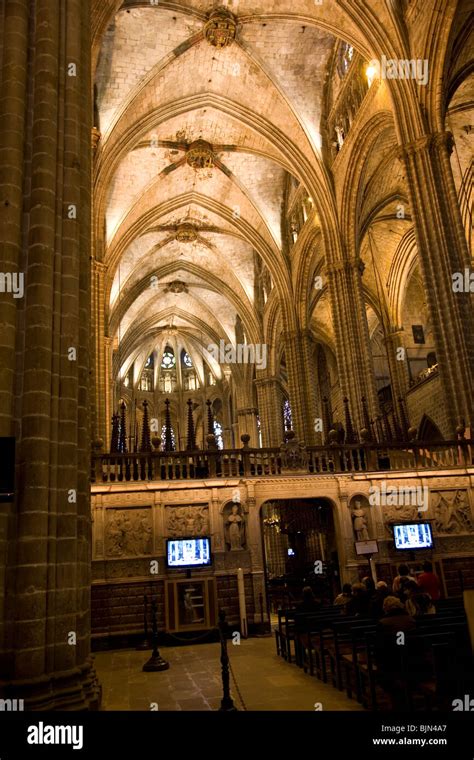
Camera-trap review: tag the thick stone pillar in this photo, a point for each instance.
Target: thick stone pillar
(399, 377)
(100, 385)
(46, 654)
(301, 384)
(310, 382)
(270, 400)
(13, 90)
(353, 354)
(443, 251)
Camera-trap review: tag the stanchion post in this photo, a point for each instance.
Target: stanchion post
(146, 639)
(227, 703)
(156, 662)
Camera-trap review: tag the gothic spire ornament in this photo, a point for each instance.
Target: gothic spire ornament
(146, 437)
(191, 437)
(168, 437)
(122, 444)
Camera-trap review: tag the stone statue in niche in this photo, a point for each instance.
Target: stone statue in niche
(128, 533)
(452, 513)
(234, 523)
(359, 521)
(187, 521)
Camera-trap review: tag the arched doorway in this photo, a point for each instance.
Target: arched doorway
(428, 430)
(299, 549)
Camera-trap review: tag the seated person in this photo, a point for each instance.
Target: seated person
(344, 597)
(398, 585)
(417, 602)
(309, 603)
(392, 640)
(376, 603)
(428, 581)
(359, 602)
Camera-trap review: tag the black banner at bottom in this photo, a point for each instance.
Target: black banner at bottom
(125, 735)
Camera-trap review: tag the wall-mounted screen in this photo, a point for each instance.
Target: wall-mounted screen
(413, 536)
(188, 552)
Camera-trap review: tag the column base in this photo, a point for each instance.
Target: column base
(75, 690)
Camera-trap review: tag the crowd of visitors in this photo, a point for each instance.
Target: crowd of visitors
(396, 611)
(416, 596)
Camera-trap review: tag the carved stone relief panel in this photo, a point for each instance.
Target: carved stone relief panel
(398, 513)
(128, 532)
(451, 512)
(191, 520)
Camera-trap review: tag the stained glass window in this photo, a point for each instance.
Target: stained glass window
(168, 361)
(287, 416)
(347, 54)
(218, 434)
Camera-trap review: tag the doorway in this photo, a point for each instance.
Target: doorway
(299, 547)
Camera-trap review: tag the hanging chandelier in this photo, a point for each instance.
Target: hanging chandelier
(273, 521)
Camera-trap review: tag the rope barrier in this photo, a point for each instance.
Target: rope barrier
(192, 638)
(237, 687)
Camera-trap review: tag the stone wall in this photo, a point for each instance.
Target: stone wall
(130, 529)
(426, 398)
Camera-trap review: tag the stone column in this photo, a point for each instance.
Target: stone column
(100, 385)
(399, 376)
(13, 92)
(301, 384)
(108, 397)
(310, 383)
(46, 653)
(270, 399)
(353, 354)
(443, 251)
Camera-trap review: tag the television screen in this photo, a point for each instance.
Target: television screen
(413, 536)
(188, 552)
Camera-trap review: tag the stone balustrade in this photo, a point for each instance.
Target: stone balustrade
(258, 463)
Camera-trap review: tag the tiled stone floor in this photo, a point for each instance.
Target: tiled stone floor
(193, 682)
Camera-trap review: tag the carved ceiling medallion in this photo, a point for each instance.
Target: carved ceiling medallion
(221, 28)
(177, 286)
(200, 155)
(186, 233)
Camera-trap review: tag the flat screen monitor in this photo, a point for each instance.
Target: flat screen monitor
(188, 552)
(413, 536)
